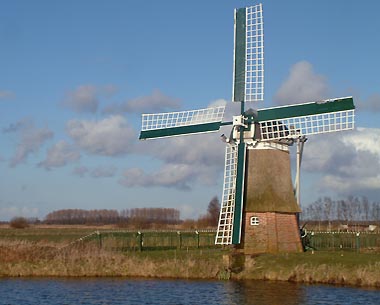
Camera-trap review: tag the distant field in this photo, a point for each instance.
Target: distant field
(111, 237)
(46, 233)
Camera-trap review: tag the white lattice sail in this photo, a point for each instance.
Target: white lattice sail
(226, 216)
(249, 55)
(307, 119)
(159, 125)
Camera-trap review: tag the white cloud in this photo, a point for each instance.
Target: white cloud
(177, 176)
(85, 98)
(103, 172)
(187, 160)
(97, 172)
(349, 162)
(30, 139)
(204, 149)
(111, 136)
(82, 99)
(364, 139)
(156, 102)
(25, 123)
(218, 102)
(350, 185)
(302, 85)
(59, 155)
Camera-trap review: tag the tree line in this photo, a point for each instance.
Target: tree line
(105, 216)
(348, 210)
(158, 215)
(140, 218)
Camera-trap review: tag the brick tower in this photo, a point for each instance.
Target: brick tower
(270, 212)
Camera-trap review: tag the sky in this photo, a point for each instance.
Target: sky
(76, 76)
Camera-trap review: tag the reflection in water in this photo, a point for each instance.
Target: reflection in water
(272, 293)
(95, 291)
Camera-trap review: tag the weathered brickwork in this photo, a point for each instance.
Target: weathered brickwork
(275, 233)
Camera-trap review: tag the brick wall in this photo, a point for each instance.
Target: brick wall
(275, 233)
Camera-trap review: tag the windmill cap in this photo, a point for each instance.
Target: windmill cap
(251, 112)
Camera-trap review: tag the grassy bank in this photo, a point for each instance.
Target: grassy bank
(20, 258)
(55, 252)
(343, 268)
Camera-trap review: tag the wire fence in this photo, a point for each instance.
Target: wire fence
(350, 241)
(165, 240)
(150, 240)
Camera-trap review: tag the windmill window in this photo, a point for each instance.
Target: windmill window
(254, 221)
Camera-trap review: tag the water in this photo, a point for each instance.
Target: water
(56, 291)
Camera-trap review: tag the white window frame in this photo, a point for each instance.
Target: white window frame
(254, 221)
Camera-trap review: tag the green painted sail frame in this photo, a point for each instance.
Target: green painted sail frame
(312, 108)
(306, 119)
(239, 193)
(178, 131)
(248, 69)
(168, 124)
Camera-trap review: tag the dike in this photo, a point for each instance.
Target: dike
(25, 259)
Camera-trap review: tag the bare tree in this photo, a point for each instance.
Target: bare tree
(213, 210)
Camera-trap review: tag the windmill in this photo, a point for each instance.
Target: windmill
(259, 208)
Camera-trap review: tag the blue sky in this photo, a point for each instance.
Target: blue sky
(76, 76)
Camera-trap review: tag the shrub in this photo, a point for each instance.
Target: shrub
(19, 223)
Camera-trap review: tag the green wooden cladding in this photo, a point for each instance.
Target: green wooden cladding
(239, 55)
(239, 195)
(182, 130)
(277, 113)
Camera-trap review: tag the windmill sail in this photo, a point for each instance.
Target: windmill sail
(226, 216)
(160, 125)
(306, 119)
(248, 73)
(230, 217)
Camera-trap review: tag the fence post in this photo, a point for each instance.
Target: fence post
(197, 234)
(100, 239)
(140, 240)
(358, 242)
(179, 240)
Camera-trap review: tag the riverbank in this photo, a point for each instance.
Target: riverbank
(24, 259)
(339, 268)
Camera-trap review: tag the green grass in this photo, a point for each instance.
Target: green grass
(45, 234)
(115, 238)
(173, 254)
(316, 258)
(342, 267)
(50, 252)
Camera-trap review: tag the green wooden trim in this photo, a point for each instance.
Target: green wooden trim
(240, 50)
(226, 123)
(176, 131)
(239, 194)
(305, 109)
